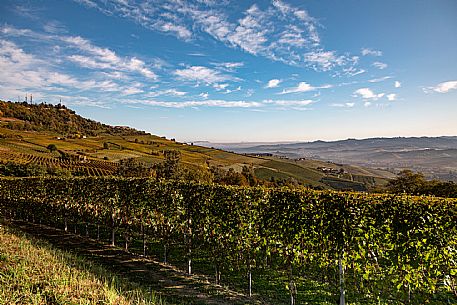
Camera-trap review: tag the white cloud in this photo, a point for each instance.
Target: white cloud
(367, 104)
(443, 87)
(54, 27)
(289, 102)
(249, 92)
(220, 87)
(227, 91)
(378, 80)
(204, 103)
(93, 57)
(273, 83)
(250, 34)
(88, 62)
(379, 65)
(371, 52)
(321, 60)
(130, 91)
(24, 72)
(283, 104)
(353, 71)
(103, 58)
(278, 31)
(180, 31)
(397, 84)
(201, 74)
(170, 92)
(367, 93)
(343, 105)
(229, 66)
(304, 87)
(391, 97)
(204, 95)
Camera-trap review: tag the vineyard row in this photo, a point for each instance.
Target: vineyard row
(395, 249)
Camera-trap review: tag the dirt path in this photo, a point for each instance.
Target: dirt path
(173, 285)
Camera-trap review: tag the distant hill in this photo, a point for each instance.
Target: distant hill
(86, 147)
(434, 156)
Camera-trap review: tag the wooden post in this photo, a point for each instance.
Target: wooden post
(218, 274)
(165, 253)
(189, 247)
(144, 239)
(250, 282)
(113, 233)
(341, 276)
(292, 288)
(126, 237)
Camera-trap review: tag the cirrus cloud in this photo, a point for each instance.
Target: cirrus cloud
(443, 87)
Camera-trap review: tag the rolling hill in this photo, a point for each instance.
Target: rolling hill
(86, 147)
(436, 157)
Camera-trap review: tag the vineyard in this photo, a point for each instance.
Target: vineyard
(365, 249)
(89, 167)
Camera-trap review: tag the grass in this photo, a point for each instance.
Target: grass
(32, 272)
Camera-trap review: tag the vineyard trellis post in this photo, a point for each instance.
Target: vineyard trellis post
(341, 280)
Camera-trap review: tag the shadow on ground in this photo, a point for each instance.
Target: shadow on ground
(173, 285)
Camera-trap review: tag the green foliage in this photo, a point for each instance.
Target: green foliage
(52, 147)
(394, 249)
(416, 184)
(56, 118)
(133, 168)
(12, 169)
(169, 169)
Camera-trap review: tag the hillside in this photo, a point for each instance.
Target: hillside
(436, 157)
(86, 147)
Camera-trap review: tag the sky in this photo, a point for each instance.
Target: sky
(239, 71)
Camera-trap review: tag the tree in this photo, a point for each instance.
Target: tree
(52, 147)
(248, 173)
(134, 168)
(169, 169)
(407, 182)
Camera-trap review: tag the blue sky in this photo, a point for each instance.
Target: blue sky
(226, 71)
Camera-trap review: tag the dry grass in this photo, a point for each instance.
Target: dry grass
(32, 272)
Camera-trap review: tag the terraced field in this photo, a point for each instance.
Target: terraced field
(99, 155)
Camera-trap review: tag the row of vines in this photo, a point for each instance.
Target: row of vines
(384, 249)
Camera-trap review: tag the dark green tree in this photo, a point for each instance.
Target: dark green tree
(134, 168)
(169, 169)
(52, 147)
(407, 181)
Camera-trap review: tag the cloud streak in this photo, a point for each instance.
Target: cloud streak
(443, 87)
(279, 31)
(202, 74)
(303, 87)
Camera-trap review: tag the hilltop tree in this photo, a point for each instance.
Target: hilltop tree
(52, 147)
